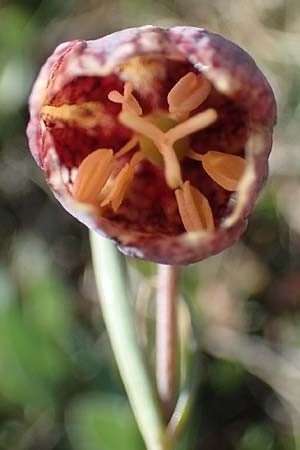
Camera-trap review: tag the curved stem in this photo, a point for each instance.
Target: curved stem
(166, 333)
(111, 279)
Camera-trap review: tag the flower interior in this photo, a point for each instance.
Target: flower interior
(154, 147)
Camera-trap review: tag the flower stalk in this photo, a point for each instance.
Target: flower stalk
(111, 280)
(166, 337)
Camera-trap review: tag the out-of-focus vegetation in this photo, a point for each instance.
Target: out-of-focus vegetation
(59, 387)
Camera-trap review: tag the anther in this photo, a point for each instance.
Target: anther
(188, 93)
(121, 182)
(194, 209)
(92, 175)
(225, 169)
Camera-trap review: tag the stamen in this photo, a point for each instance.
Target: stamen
(183, 211)
(128, 101)
(203, 208)
(92, 175)
(194, 155)
(194, 209)
(189, 126)
(127, 147)
(188, 93)
(121, 183)
(85, 115)
(225, 169)
(198, 207)
(137, 157)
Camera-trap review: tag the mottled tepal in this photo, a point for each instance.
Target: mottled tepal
(155, 138)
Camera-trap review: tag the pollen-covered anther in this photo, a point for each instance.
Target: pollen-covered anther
(225, 169)
(194, 209)
(188, 93)
(128, 101)
(92, 175)
(119, 185)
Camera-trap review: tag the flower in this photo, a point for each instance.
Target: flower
(156, 138)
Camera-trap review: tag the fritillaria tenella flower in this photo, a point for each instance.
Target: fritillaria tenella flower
(156, 138)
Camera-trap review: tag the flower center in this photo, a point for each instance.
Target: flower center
(162, 138)
(150, 149)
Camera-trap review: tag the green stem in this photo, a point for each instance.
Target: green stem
(112, 283)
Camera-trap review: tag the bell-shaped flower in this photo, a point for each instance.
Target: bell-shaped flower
(156, 138)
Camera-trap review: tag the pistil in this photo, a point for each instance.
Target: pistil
(128, 101)
(195, 123)
(144, 127)
(165, 141)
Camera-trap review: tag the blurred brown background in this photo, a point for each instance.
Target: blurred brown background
(59, 387)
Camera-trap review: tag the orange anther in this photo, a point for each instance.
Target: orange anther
(121, 183)
(194, 209)
(225, 169)
(188, 93)
(92, 175)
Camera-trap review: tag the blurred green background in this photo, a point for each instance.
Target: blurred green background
(59, 386)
